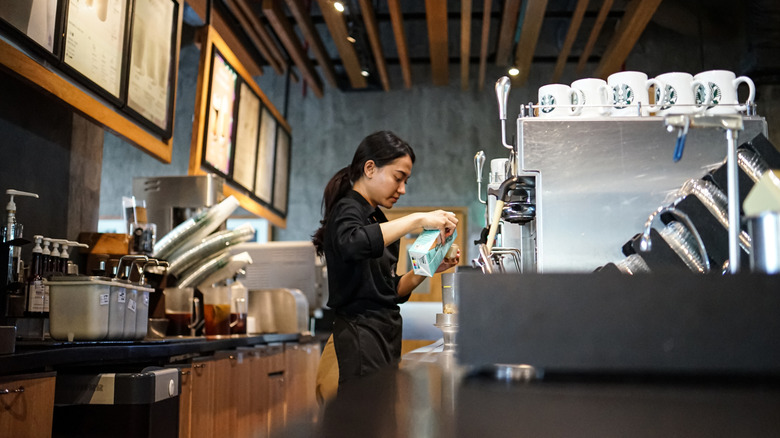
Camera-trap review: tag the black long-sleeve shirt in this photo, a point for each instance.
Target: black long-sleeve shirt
(361, 270)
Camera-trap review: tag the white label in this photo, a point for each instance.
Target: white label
(104, 299)
(122, 296)
(45, 298)
(131, 305)
(36, 297)
(146, 299)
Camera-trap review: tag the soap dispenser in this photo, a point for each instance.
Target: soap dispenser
(11, 232)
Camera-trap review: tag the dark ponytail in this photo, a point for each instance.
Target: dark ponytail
(382, 148)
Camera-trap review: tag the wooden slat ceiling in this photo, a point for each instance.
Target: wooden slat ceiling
(359, 44)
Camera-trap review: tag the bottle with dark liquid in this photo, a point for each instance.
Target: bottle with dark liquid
(36, 291)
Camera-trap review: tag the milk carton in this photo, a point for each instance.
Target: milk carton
(427, 252)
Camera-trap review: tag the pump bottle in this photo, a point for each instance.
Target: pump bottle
(12, 230)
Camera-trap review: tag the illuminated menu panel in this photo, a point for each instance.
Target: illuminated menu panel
(264, 174)
(282, 170)
(247, 128)
(149, 88)
(219, 132)
(95, 40)
(35, 18)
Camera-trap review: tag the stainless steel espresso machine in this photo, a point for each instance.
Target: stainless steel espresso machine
(574, 190)
(171, 200)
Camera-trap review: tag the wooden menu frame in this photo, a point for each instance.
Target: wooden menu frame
(210, 40)
(30, 66)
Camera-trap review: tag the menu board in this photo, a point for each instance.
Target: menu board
(264, 173)
(35, 18)
(247, 126)
(219, 127)
(149, 80)
(95, 41)
(282, 170)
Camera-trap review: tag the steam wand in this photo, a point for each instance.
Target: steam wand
(645, 243)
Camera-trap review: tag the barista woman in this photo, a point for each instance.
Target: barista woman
(361, 251)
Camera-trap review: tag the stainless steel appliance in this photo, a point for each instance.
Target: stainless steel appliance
(170, 200)
(602, 177)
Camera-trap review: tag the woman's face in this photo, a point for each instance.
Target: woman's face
(386, 184)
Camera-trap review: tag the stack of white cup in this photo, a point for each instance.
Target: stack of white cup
(627, 94)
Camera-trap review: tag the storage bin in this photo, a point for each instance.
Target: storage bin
(78, 307)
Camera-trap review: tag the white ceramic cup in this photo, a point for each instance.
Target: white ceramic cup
(558, 100)
(594, 96)
(630, 91)
(679, 93)
(723, 86)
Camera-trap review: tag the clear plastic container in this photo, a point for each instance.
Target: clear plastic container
(142, 311)
(79, 307)
(117, 308)
(128, 332)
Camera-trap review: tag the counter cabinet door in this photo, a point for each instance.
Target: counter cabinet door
(202, 407)
(27, 405)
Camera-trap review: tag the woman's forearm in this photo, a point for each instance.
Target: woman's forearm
(408, 282)
(395, 229)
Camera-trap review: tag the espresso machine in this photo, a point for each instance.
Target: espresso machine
(171, 200)
(574, 190)
(512, 211)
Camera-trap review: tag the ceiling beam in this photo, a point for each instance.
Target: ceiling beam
(400, 40)
(529, 36)
(465, 42)
(506, 33)
(594, 34)
(372, 29)
(303, 18)
(568, 42)
(253, 11)
(436, 11)
(338, 31)
(286, 34)
(244, 16)
(484, 47)
(234, 42)
(638, 14)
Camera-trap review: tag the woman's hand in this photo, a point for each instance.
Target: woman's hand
(444, 221)
(451, 259)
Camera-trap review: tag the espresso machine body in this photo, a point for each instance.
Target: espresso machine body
(171, 200)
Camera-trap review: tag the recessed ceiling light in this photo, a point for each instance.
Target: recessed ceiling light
(339, 6)
(351, 40)
(514, 71)
(364, 73)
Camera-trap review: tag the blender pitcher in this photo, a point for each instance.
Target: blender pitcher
(216, 310)
(179, 305)
(239, 296)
